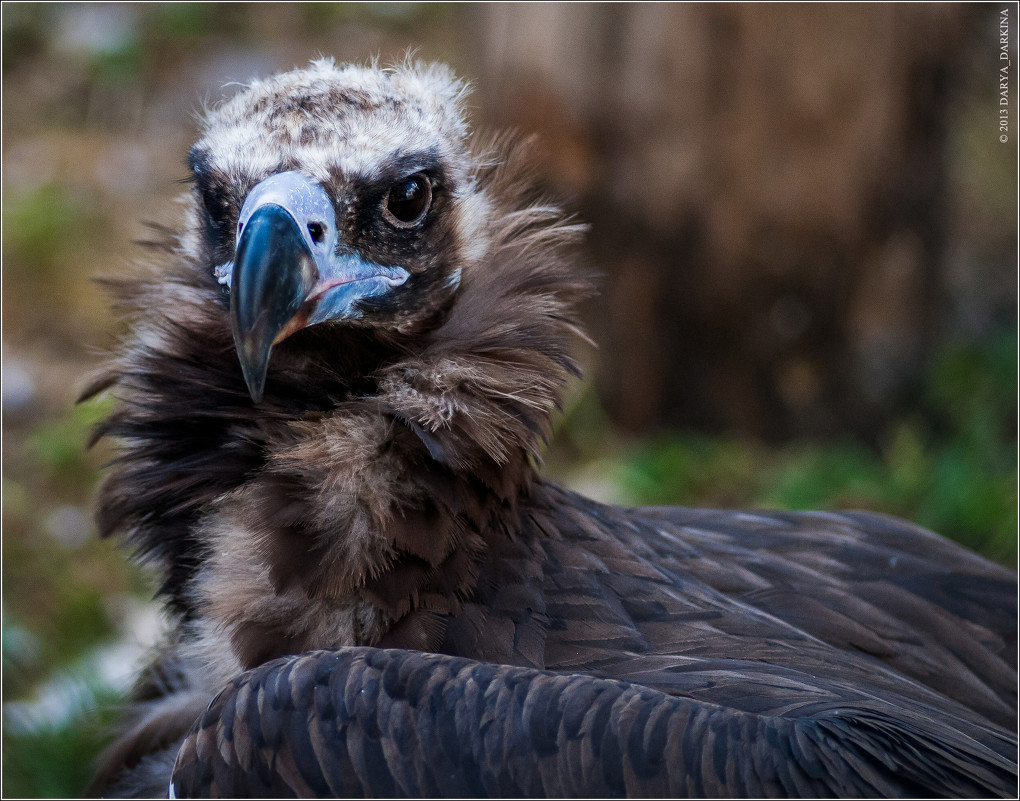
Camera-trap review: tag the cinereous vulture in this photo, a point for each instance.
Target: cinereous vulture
(329, 409)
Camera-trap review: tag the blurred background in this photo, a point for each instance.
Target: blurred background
(804, 218)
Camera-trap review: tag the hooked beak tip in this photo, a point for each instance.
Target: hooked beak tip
(254, 367)
(273, 273)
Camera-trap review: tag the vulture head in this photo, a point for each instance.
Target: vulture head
(337, 198)
(330, 408)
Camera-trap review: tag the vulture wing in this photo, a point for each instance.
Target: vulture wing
(360, 722)
(697, 653)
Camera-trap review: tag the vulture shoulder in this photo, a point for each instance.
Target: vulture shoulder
(330, 413)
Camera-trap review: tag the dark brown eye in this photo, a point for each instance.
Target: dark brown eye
(408, 200)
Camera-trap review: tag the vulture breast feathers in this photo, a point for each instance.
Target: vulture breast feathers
(330, 408)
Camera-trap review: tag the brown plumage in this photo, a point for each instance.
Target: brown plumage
(365, 570)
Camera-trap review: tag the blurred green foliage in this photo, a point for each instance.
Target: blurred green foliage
(55, 592)
(59, 446)
(137, 39)
(43, 227)
(53, 235)
(52, 736)
(56, 607)
(181, 22)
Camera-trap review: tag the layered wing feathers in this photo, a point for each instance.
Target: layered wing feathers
(367, 722)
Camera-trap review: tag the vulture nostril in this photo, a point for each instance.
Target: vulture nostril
(318, 232)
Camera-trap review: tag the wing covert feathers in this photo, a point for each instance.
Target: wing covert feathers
(359, 722)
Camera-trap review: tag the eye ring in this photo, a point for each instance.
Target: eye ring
(408, 201)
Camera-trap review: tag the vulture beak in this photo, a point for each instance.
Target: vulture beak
(289, 273)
